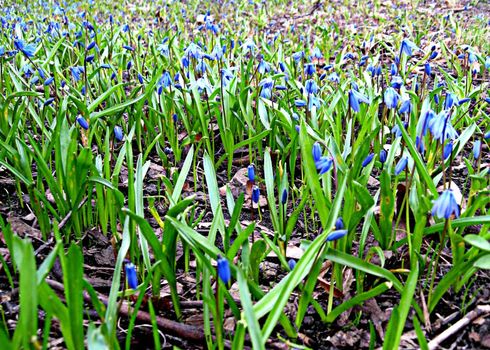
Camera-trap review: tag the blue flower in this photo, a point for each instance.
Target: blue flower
(89, 58)
(472, 58)
(76, 72)
(324, 165)
(291, 263)
(317, 152)
(263, 67)
(401, 165)
(449, 101)
(90, 46)
(224, 272)
(441, 128)
(423, 123)
(249, 46)
(82, 122)
(255, 194)
(127, 47)
(317, 53)
(284, 196)
(397, 131)
(433, 55)
(202, 85)
(26, 49)
(140, 78)
(267, 85)
(335, 235)
(297, 56)
(419, 144)
(310, 69)
(226, 76)
(355, 98)
(118, 133)
(382, 156)
(300, 103)
(393, 69)
(339, 223)
(311, 86)
(48, 81)
(334, 77)
(396, 82)
(367, 160)
(448, 149)
(49, 101)
(391, 98)
(427, 69)
(407, 47)
(131, 275)
(445, 206)
(251, 173)
(476, 149)
(405, 107)
(463, 101)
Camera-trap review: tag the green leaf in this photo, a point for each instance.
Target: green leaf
(419, 163)
(27, 323)
(312, 175)
(478, 242)
(252, 320)
(357, 300)
(73, 282)
(483, 262)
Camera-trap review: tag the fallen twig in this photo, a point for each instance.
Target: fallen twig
(478, 311)
(180, 330)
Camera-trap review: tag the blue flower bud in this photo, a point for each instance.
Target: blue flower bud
(251, 173)
(255, 194)
(118, 133)
(291, 263)
(48, 81)
(317, 152)
(476, 149)
(335, 235)
(284, 196)
(224, 272)
(82, 122)
(90, 46)
(367, 160)
(428, 69)
(448, 149)
(131, 276)
(393, 69)
(402, 164)
(382, 156)
(49, 101)
(300, 103)
(339, 223)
